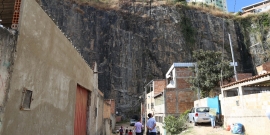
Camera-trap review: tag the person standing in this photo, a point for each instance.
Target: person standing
(130, 132)
(126, 132)
(138, 127)
(121, 130)
(151, 125)
(212, 115)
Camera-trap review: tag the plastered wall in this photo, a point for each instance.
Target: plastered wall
(7, 47)
(47, 64)
(250, 111)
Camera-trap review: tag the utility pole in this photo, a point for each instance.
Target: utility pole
(235, 73)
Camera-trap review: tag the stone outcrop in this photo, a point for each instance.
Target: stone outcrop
(133, 47)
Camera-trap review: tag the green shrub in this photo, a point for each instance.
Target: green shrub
(175, 125)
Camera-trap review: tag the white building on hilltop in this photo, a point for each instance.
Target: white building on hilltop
(222, 4)
(259, 7)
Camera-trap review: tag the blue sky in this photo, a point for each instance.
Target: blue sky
(239, 4)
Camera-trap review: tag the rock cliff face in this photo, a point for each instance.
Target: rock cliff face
(133, 47)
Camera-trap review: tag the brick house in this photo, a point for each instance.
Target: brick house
(171, 96)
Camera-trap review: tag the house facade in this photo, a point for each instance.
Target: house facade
(247, 101)
(46, 86)
(259, 7)
(171, 96)
(153, 88)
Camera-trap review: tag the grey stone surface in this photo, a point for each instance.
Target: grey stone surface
(131, 47)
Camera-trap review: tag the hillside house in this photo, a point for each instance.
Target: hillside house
(221, 4)
(46, 87)
(171, 96)
(246, 101)
(259, 7)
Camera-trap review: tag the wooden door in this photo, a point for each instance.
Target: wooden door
(80, 123)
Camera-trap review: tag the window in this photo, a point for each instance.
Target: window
(202, 109)
(26, 99)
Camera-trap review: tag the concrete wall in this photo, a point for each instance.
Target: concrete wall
(99, 116)
(251, 112)
(200, 102)
(113, 120)
(150, 100)
(47, 64)
(7, 48)
(106, 128)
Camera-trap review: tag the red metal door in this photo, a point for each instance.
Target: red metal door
(81, 111)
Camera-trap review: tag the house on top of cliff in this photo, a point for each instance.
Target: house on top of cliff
(259, 7)
(221, 4)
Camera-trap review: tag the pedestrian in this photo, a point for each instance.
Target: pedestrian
(212, 115)
(126, 132)
(130, 132)
(121, 130)
(151, 125)
(138, 127)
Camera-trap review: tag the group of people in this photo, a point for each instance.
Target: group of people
(126, 131)
(138, 127)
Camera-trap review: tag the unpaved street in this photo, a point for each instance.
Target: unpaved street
(205, 129)
(201, 129)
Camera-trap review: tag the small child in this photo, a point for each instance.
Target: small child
(130, 132)
(126, 133)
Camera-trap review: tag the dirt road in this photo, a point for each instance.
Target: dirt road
(201, 129)
(205, 129)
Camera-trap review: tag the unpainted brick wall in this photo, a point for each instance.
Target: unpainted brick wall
(112, 103)
(159, 86)
(106, 110)
(182, 77)
(178, 101)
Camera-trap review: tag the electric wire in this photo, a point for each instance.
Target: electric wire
(234, 5)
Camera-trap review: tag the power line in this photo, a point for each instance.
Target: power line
(234, 5)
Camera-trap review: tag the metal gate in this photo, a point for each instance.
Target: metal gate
(80, 122)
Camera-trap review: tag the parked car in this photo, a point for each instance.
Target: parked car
(199, 115)
(132, 122)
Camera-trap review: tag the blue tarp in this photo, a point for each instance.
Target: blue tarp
(214, 103)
